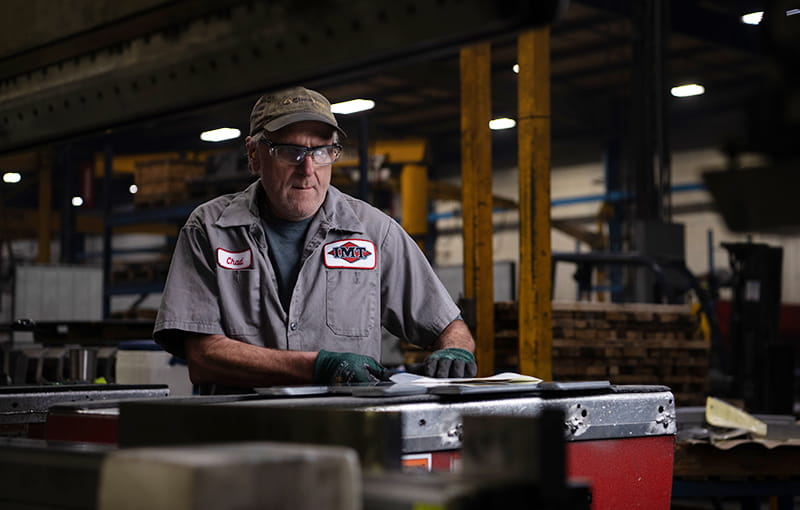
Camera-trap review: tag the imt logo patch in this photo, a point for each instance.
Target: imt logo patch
(351, 254)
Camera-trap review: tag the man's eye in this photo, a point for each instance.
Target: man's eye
(295, 154)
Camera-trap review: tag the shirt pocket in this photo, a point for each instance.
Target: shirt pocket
(351, 301)
(240, 302)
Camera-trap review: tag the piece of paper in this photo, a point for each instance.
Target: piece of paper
(722, 414)
(497, 379)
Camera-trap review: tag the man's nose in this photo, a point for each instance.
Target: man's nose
(306, 166)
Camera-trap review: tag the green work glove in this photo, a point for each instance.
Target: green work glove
(336, 368)
(452, 362)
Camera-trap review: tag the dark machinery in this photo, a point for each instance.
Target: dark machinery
(762, 365)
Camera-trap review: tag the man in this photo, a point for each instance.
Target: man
(289, 281)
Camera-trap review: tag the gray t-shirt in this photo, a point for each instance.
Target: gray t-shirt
(285, 240)
(359, 270)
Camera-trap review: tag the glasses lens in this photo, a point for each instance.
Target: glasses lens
(289, 154)
(325, 155)
(295, 154)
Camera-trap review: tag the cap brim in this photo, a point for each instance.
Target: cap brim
(291, 118)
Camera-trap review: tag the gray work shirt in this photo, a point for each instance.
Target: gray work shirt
(359, 270)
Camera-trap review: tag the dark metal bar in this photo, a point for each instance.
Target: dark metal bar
(108, 180)
(363, 157)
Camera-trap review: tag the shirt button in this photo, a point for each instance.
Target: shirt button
(293, 326)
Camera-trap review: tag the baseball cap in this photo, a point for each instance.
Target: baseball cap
(279, 109)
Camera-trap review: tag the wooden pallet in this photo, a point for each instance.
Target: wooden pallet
(136, 313)
(165, 182)
(151, 199)
(140, 272)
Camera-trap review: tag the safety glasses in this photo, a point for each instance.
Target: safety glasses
(296, 154)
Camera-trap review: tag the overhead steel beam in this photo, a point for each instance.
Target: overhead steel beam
(690, 18)
(255, 46)
(119, 28)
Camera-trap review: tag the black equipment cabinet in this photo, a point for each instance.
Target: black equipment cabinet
(762, 363)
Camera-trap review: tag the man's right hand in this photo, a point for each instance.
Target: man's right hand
(336, 368)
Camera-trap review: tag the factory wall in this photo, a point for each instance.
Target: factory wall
(692, 208)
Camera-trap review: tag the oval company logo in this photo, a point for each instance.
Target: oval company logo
(350, 253)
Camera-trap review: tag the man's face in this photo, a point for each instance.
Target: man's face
(294, 192)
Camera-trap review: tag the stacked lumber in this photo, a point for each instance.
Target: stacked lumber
(136, 313)
(164, 182)
(149, 272)
(632, 343)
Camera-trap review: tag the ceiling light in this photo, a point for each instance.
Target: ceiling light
(12, 177)
(692, 89)
(754, 18)
(515, 68)
(502, 123)
(132, 189)
(77, 201)
(353, 106)
(220, 135)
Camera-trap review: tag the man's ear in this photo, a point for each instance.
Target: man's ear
(250, 148)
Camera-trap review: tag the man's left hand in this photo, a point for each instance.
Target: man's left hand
(450, 362)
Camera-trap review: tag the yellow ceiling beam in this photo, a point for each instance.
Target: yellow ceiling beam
(405, 151)
(126, 163)
(31, 224)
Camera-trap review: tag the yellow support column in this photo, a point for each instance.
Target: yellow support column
(414, 193)
(476, 175)
(45, 223)
(535, 278)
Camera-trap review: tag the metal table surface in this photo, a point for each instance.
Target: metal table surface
(432, 422)
(31, 404)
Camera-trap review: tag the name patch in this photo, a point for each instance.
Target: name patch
(235, 260)
(350, 254)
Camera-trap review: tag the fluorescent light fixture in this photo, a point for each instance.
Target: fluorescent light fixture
(753, 18)
(220, 135)
(353, 106)
(502, 123)
(515, 68)
(77, 201)
(132, 189)
(12, 177)
(692, 89)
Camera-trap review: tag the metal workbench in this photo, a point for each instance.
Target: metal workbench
(620, 438)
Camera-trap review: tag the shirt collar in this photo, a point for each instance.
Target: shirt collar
(243, 208)
(338, 214)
